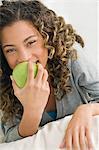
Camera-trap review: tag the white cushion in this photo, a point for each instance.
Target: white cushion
(50, 136)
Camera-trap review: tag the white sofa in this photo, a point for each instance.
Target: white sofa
(50, 136)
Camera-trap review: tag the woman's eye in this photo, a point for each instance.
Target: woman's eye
(31, 43)
(10, 50)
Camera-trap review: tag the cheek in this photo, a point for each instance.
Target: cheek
(45, 57)
(11, 62)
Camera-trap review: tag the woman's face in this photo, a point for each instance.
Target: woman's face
(21, 41)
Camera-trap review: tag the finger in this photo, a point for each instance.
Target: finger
(89, 139)
(45, 76)
(15, 87)
(39, 73)
(47, 84)
(76, 145)
(82, 139)
(68, 140)
(63, 143)
(30, 74)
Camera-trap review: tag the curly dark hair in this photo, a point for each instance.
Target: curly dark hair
(59, 39)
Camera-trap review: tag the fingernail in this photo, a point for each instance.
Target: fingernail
(90, 148)
(62, 145)
(11, 77)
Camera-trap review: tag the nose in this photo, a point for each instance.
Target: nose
(23, 56)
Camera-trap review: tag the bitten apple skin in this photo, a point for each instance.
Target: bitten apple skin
(19, 73)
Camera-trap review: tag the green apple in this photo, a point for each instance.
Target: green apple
(20, 72)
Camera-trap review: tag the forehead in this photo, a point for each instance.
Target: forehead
(18, 29)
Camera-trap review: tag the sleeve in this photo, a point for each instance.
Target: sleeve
(86, 78)
(10, 131)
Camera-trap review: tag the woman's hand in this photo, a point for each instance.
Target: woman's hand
(34, 95)
(78, 132)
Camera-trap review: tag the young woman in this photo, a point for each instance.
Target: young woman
(65, 84)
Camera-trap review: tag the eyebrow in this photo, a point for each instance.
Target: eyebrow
(8, 45)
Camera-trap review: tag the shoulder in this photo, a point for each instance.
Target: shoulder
(83, 67)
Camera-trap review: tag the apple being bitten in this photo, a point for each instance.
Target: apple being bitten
(20, 72)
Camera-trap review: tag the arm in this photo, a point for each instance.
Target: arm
(86, 81)
(95, 108)
(29, 123)
(78, 132)
(11, 134)
(10, 130)
(33, 96)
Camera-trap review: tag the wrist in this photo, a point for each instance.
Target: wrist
(86, 108)
(32, 113)
(32, 110)
(91, 107)
(29, 123)
(95, 108)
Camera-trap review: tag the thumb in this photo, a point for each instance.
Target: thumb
(15, 87)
